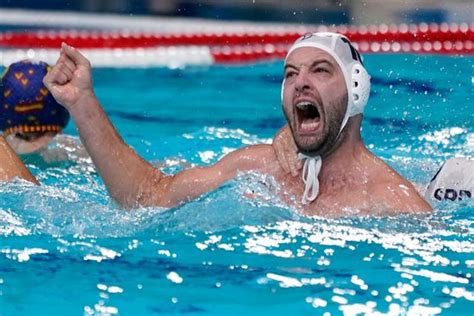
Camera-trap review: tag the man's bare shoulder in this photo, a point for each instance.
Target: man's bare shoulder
(255, 157)
(395, 192)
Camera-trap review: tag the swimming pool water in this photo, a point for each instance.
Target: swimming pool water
(66, 248)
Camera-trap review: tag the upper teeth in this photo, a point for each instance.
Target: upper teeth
(303, 105)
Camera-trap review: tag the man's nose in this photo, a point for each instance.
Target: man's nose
(302, 82)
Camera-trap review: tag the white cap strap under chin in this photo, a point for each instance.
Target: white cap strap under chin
(311, 169)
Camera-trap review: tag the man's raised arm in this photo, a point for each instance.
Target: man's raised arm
(122, 170)
(129, 179)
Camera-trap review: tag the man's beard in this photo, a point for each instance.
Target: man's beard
(326, 142)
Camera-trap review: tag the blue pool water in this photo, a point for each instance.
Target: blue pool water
(67, 249)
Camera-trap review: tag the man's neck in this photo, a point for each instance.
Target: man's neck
(348, 154)
(344, 159)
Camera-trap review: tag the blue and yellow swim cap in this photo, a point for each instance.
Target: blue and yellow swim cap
(26, 105)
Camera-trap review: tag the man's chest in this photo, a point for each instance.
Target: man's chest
(346, 196)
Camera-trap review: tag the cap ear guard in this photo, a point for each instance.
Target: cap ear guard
(360, 89)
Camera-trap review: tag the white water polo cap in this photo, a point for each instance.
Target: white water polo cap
(358, 89)
(349, 60)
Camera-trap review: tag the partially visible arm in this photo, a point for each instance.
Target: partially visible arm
(286, 151)
(132, 181)
(168, 191)
(122, 170)
(11, 166)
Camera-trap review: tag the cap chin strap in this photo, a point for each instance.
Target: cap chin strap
(311, 169)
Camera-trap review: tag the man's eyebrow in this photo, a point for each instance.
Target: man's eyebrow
(290, 66)
(321, 61)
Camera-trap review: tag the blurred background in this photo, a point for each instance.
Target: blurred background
(298, 11)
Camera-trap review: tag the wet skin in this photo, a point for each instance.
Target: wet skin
(11, 166)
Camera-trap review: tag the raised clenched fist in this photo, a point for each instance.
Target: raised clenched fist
(70, 79)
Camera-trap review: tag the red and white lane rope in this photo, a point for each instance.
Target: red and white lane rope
(142, 49)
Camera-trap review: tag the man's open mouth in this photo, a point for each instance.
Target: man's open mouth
(307, 116)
